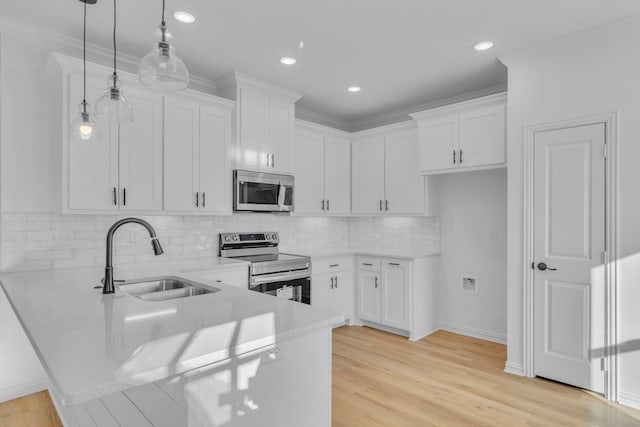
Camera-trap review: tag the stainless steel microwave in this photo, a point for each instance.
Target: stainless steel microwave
(262, 192)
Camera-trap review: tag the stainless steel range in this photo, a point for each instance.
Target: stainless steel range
(271, 272)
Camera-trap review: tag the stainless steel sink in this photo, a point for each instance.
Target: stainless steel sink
(164, 288)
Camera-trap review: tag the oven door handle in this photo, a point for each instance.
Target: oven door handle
(268, 278)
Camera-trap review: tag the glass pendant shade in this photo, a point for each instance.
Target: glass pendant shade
(113, 104)
(161, 69)
(84, 127)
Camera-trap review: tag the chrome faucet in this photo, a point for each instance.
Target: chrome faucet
(107, 287)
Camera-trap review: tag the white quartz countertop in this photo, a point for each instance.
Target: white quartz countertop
(387, 253)
(92, 345)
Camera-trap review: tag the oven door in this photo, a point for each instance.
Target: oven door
(262, 192)
(295, 286)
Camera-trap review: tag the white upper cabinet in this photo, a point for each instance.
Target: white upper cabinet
(467, 136)
(197, 154)
(122, 169)
(265, 117)
(385, 174)
(322, 170)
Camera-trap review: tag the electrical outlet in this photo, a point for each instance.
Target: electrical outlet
(273, 354)
(470, 285)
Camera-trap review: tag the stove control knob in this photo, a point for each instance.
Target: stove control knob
(272, 236)
(227, 238)
(235, 238)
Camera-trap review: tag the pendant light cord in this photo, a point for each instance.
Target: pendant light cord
(114, 39)
(163, 23)
(84, 61)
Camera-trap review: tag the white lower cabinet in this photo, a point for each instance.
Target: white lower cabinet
(237, 277)
(332, 285)
(397, 294)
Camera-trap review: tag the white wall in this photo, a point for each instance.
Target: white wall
(594, 72)
(473, 222)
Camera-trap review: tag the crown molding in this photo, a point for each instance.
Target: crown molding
(500, 97)
(309, 116)
(403, 114)
(405, 126)
(235, 78)
(304, 124)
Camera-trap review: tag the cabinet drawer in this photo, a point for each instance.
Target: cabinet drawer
(237, 278)
(330, 265)
(368, 263)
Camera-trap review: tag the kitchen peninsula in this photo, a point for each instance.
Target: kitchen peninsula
(229, 357)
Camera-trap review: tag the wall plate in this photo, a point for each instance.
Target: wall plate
(469, 285)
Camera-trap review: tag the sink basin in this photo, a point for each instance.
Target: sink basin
(164, 288)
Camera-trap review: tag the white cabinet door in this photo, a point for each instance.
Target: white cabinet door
(254, 129)
(321, 289)
(93, 165)
(395, 293)
(482, 137)
(404, 186)
(181, 173)
(140, 153)
(341, 295)
(369, 295)
(213, 154)
(337, 175)
(309, 172)
(280, 138)
(367, 176)
(438, 143)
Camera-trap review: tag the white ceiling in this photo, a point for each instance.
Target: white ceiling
(403, 53)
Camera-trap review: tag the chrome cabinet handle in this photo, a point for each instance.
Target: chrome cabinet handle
(327, 204)
(367, 264)
(336, 282)
(273, 160)
(334, 265)
(393, 263)
(267, 160)
(376, 281)
(386, 205)
(322, 204)
(204, 200)
(461, 156)
(454, 157)
(331, 282)
(115, 196)
(380, 204)
(124, 196)
(197, 200)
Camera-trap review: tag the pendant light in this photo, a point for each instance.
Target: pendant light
(161, 69)
(84, 127)
(113, 104)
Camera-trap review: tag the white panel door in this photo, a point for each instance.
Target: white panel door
(395, 293)
(215, 176)
(141, 153)
(309, 173)
(93, 165)
(482, 137)
(367, 176)
(438, 143)
(369, 295)
(254, 128)
(181, 175)
(280, 145)
(569, 240)
(320, 290)
(337, 175)
(404, 186)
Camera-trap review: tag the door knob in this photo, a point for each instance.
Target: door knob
(542, 267)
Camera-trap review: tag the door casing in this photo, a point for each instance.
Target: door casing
(610, 121)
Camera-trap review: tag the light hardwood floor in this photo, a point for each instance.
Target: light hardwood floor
(380, 379)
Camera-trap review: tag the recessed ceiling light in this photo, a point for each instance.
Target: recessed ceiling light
(287, 60)
(354, 89)
(183, 16)
(488, 44)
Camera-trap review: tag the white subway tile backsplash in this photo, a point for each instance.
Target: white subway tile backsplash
(42, 241)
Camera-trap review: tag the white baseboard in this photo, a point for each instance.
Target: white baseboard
(418, 338)
(514, 369)
(629, 399)
(10, 393)
(475, 333)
